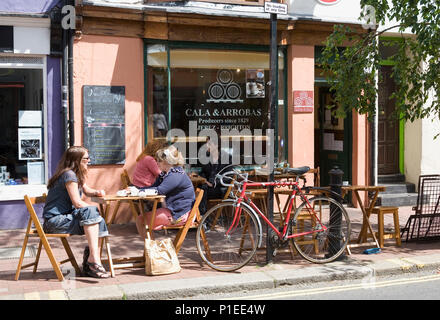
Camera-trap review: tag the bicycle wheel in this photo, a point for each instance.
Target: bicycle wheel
(321, 246)
(225, 246)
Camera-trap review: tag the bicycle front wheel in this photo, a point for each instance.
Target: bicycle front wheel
(225, 244)
(323, 228)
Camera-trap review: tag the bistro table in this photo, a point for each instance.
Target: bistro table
(105, 208)
(366, 212)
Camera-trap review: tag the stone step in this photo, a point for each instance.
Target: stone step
(399, 187)
(390, 178)
(397, 199)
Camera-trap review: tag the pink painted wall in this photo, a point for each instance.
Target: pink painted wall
(360, 163)
(117, 61)
(301, 76)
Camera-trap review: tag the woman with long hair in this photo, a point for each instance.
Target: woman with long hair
(147, 170)
(66, 212)
(175, 184)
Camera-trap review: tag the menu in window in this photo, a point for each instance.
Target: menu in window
(104, 123)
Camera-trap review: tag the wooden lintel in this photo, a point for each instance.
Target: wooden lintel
(218, 35)
(110, 13)
(317, 26)
(219, 22)
(155, 30)
(123, 28)
(156, 17)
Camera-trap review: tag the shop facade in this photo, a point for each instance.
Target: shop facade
(200, 67)
(30, 122)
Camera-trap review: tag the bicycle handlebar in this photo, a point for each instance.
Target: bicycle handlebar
(220, 177)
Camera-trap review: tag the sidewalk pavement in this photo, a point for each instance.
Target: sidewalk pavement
(196, 278)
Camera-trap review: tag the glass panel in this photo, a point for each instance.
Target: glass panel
(157, 82)
(282, 115)
(21, 127)
(224, 91)
(213, 89)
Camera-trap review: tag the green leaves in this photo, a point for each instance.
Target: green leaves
(351, 60)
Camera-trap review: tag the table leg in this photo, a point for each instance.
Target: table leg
(153, 218)
(366, 219)
(102, 209)
(115, 212)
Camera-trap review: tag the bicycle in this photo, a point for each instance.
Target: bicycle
(229, 233)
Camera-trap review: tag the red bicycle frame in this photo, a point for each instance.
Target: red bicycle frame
(282, 235)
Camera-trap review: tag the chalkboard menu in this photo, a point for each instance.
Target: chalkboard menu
(104, 123)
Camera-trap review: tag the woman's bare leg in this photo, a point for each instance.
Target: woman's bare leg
(92, 232)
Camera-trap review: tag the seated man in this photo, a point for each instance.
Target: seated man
(211, 189)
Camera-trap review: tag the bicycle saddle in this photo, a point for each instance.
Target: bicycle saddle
(297, 171)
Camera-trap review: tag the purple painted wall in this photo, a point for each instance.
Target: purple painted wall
(13, 214)
(55, 126)
(27, 6)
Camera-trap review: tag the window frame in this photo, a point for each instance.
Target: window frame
(169, 45)
(17, 192)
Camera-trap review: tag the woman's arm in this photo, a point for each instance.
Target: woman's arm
(90, 192)
(168, 184)
(73, 191)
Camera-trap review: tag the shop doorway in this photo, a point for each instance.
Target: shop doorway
(332, 138)
(388, 126)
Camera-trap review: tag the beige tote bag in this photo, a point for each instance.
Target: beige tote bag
(160, 257)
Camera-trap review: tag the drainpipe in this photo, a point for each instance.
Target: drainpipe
(374, 148)
(70, 68)
(374, 134)
(64, 84)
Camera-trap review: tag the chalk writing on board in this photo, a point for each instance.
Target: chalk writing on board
(104, 123)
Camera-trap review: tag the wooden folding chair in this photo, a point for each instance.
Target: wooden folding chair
(192, 222)
(213, 202)
(38, 232)
(125, 181)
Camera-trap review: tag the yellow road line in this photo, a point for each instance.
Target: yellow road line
(339, 288)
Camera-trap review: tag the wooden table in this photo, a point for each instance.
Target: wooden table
(105, 205)
(366, 212)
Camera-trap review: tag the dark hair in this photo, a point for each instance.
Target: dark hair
(71, 160)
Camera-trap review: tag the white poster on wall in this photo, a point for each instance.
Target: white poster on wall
(35, 171)
(30, 118)
(29, 143)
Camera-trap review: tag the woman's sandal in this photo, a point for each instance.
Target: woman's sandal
(96, 271)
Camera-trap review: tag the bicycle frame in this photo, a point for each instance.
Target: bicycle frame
(296, 188)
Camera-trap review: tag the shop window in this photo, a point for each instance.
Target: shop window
(21, 127)
(224, 91)
(6, 39)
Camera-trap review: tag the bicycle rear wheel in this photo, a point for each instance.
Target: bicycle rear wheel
(328, 226)
(223, 244)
